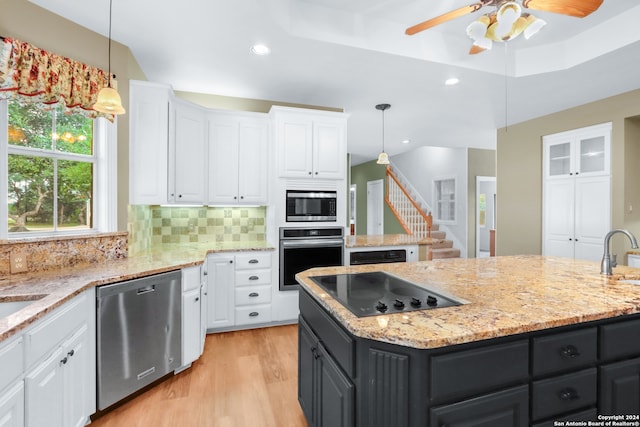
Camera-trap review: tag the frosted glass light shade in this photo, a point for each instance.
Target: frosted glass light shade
(109, 102)
(383, 159)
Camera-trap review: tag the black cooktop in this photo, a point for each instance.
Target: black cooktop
(374, 293)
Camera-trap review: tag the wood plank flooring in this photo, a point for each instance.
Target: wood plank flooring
(244, 378)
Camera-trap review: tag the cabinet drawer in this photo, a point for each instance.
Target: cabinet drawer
(472, 371)
(332, 335)
(54, 328)
(253, 277)
(565, 393)
(620, 340)
(247, 295)
(253, 314)
(565, 351)
(253, 260)
(588, 415)
(11, 360)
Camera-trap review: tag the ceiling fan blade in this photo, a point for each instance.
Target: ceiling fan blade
(475, 49)
(465, 10)
(577, 8)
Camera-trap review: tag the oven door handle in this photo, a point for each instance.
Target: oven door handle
(311, 243)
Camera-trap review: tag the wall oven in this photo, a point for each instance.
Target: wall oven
(304, 248)
(311, 206)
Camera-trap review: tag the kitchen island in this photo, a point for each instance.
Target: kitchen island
(539, 340)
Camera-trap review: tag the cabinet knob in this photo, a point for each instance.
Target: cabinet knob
(569, 352)
(235, 197)
(197, 299)
(241, 197)
(63, 361)
(254, 294)
(71, 353)
(309, 172)
(316, 172)
(568, 394)
(315, 353)
(254, 314)
(179, 196)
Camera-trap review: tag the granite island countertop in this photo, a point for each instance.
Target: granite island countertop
(51, 289)
(361, 241)
(507, 295)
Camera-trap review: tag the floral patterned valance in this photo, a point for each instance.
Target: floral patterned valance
(30, 74)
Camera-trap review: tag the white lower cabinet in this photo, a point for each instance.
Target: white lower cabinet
(191, 312)
(12, 406)
(60, 383)
(239, 290)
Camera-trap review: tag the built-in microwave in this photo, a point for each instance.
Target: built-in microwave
(311, 206)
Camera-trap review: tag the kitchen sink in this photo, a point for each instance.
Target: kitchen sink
(630, 281)
(7, 308)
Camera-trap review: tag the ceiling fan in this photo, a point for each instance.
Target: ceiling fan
(507, 20)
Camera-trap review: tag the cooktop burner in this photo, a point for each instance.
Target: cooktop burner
(370, 294)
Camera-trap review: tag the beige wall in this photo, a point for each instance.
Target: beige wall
(25, 21)
(519, 171)
(479, 163)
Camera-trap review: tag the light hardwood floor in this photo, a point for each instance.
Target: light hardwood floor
(244, 378)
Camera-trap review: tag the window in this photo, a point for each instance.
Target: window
(55, 160)
(445, 200)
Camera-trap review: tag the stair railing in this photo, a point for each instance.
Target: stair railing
(410, 215)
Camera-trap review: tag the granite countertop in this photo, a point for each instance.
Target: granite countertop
(387, 240)
(507, 295)
(53, 288)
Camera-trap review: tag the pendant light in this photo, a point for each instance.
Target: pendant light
(383, 158)
(109, 101)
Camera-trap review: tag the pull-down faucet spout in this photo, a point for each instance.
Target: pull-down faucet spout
(606, 266)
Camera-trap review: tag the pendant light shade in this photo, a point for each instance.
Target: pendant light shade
(109, 101)
(383, 158)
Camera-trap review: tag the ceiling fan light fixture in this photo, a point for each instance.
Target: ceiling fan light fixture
(506, 18)
(534, 25)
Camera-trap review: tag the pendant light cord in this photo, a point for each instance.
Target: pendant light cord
(110, 12)
(383, 131)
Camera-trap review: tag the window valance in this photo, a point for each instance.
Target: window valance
(31, 74)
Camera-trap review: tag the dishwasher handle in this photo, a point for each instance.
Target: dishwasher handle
(146, 289)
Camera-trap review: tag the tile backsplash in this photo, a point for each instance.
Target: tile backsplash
(152, 225)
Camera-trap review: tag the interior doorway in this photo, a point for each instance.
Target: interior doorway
(375, 204)
(485, 215)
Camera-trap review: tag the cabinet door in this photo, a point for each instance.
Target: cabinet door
(188, 147)
(204, 304)
(592, 151)
(558, 157)
(295, 145)
(307, 352)
(223, 160)
(12, 406)
(253, 162)
(190, 326)
(79, 378)
(620, 388)
(592, 216)
(148, 143)
(329, 152)
(335, 393)
(507, 408)
(44, 398)
(221, 298)
(559, 216)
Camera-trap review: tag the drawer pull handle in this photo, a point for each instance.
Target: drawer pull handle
(254, 314)
(569, 352)
(254, 294)
(253, 261)
(253, 277)
(568, 394)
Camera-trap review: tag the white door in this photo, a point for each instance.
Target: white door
(592, 216)
(375, 205)
(559, 218)
(485, 213)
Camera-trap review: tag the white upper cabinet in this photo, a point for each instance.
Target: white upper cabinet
(584, 152)
(188, 148)
(238, 158)
(148, 142)
(310, 144)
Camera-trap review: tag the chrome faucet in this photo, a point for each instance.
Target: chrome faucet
(606, 266)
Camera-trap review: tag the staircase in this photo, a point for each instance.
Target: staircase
(415, 219)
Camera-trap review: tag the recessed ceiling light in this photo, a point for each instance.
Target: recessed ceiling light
(260, 49)
(406, 141)
(452, 81)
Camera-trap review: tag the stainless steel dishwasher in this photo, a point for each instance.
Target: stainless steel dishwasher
(138, 334)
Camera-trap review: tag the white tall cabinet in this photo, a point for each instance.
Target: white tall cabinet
(577, 192)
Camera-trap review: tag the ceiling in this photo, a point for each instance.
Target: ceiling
(353, 54)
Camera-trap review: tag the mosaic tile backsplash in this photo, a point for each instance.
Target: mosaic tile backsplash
(153, 225)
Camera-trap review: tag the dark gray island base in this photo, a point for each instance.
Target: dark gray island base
(579, 372)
